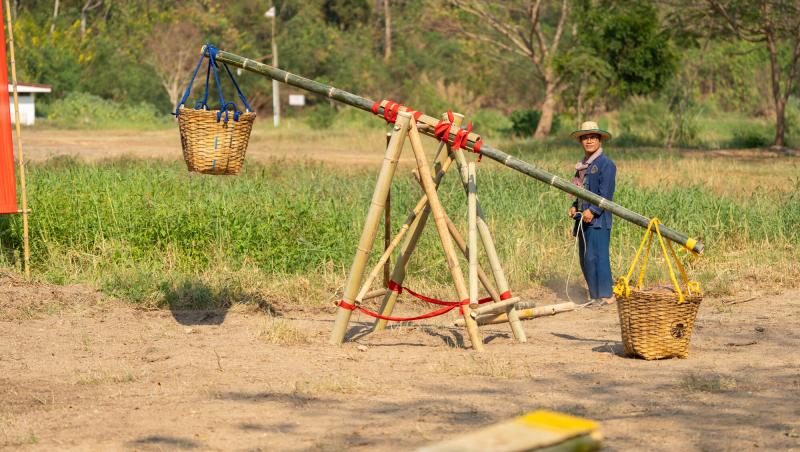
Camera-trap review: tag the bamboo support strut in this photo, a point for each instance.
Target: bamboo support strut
(20, 156)
(486, 150)
(437, 212)
(462, 245)
(370, 230)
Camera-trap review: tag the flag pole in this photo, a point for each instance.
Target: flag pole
(20, 156)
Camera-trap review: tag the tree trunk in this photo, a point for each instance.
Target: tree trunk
(780, 124)
(55, 16)
(548, 111)
(780, 103)
(387, 31)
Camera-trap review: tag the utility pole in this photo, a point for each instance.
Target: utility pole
(276, 94)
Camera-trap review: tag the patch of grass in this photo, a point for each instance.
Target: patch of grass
(340, 384)
(282, 332)
(713, 383)
(483, 366)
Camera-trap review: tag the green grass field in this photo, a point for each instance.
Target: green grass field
(151, 233)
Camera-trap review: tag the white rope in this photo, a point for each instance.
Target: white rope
(578, 233)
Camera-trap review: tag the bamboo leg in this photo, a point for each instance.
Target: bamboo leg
(491, 252)
(444, 235)
(472, 228)
(20, 156)
(417, 226)
(370, 230)
(387, 227)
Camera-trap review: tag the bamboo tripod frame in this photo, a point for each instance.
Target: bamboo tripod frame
(428, 205)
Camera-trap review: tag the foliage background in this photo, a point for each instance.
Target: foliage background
(650, 80)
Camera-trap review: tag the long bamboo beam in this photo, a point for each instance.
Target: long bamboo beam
(485, 149)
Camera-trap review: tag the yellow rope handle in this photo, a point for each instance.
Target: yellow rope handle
(622, 287)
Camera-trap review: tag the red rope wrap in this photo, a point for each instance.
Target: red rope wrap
(505, 295)
(395, 287)
(390, 110)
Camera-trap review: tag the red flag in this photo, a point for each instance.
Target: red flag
(8, 182)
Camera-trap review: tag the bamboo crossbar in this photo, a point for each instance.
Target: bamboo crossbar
(485, 149)
(494, 307)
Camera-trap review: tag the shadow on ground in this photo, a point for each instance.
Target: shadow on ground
(194, 302)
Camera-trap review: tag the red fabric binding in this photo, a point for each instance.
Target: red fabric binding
(375, 107)
(505, 295)
(460, 141)
(345, 305)
(394, 287)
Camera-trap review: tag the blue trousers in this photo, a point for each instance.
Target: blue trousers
(595, 262)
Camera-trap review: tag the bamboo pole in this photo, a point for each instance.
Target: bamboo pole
(387, 227)
(21, 162)
(491, 251)
(416, 228)
(531, 313)
(444, 235)
(472, 227)
(485, 149)
(370, 230)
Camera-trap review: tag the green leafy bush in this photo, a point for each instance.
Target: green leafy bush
(490, 122)
(751, 135)
(81, 110)
(321, 116)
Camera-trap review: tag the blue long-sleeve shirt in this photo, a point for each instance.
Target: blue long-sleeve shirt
(600, 179)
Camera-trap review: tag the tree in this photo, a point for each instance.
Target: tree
(627, 36)
(772, 23)
(530, 29)
(88, 5)
(172, 57)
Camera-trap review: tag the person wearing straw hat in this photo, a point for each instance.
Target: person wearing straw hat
(597, 174)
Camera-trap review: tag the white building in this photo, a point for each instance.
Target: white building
(27, 99)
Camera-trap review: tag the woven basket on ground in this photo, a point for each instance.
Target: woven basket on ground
(657, 323)
(211, 146)
(654, 325)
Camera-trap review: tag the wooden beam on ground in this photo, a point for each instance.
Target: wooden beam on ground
(531, 313)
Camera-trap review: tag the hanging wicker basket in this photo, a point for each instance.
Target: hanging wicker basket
(654, 325)
(657, 323)
(214, 141)
(211, 146)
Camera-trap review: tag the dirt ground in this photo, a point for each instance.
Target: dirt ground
(81, 371)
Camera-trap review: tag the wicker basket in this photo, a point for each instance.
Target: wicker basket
(657, 323)
(654, 325)
(211, 146)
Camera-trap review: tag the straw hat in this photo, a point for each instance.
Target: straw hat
(589, 127)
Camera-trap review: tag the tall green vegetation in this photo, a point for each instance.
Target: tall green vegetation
(146, 230)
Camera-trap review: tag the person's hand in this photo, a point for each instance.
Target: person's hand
(572, 212)
(588, 216)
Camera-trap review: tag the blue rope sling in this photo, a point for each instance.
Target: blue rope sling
(211, 52)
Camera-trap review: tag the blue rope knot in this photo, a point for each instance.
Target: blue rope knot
(210, 52)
